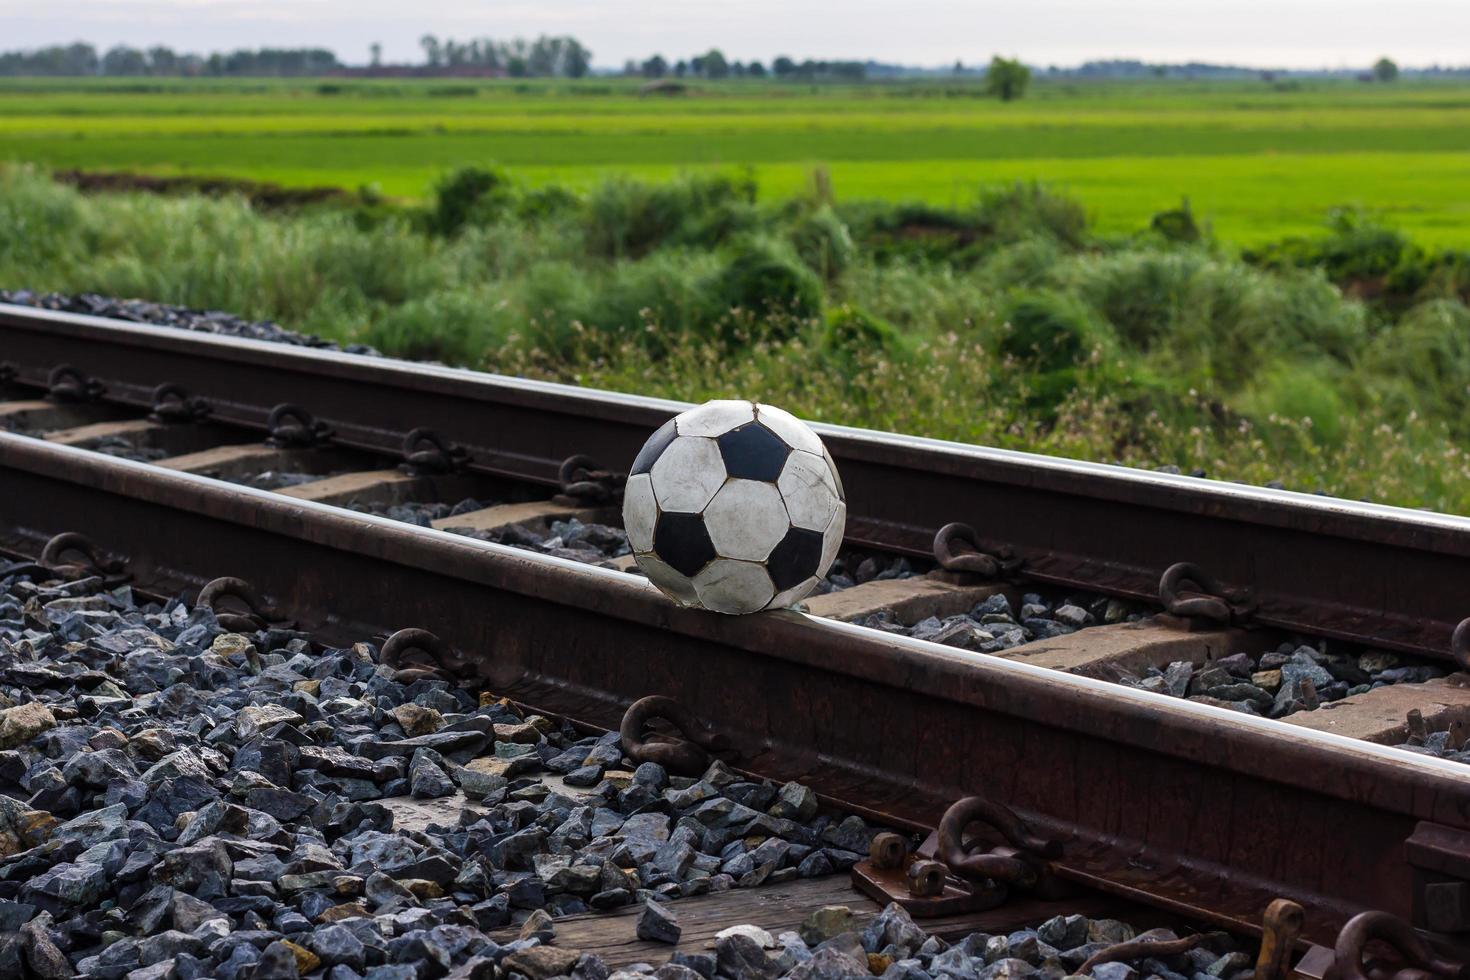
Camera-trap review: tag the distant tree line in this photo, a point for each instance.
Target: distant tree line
(544, 57)
(83, 59)
(714, 64)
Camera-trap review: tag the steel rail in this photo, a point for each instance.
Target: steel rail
(1385, 576)
(1200, 810)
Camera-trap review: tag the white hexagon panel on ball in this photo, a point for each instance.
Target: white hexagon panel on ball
(734, 507)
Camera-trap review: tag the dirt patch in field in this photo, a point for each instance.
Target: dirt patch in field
(260, 194)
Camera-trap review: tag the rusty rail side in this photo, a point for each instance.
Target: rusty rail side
(1200, 810)
(1381, 575)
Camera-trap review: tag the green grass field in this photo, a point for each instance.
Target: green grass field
(1257, 162)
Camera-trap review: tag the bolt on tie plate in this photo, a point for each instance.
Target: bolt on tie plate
(1420, 961)
(171, 404)
(425, 453)
(68, 383)
(293, 427)
(1208, 600)
(957, 549)
(111, 568)
(8, 374)
(584, 482)
(686, 756)
(417, 653)
(259, 614)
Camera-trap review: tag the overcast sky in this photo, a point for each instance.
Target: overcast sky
(1266, 33)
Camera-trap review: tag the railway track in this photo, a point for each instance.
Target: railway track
(1091, 786)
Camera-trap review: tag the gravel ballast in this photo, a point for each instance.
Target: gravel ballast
(994, 625)
(183, 802)
(164, 315)
(1296, 676)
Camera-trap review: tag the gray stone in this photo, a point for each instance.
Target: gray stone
(954, 962)
(646, 826)
(795, 802)
(1063, 931)
(542, 962)
(95, 770)
(1225, 966)
(830, 964)
(740, 957)
(20, 724)
(657, 923)
(893, 927)
(277, 962)
(42, 955)
(538, 925)
(1108, 931)
(1177, 677)
(73, 884)
(825, 923)
(252, 720)
(1009, 968)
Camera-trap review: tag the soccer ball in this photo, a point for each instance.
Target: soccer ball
(734, 507)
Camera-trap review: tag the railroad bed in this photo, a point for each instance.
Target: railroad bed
(1120, 748)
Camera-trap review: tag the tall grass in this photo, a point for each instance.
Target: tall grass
(1005, 322)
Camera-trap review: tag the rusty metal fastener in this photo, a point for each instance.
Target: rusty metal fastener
(1209, 599)
(434, 657)
(260, 614)
(425, 453)
(888, 850)
(957, 549)
(93, 561)
(68, 383)
(690, 757)
(926, 878)
(1460, 644)
(293, 427)
(172, 403)
(1281, 924)
(1137, 948)
(1422, 962)
(1016, 865)
(584, 482)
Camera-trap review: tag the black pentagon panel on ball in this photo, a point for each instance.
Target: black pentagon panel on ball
(682, 543)
(753, 452)
(654, 448)
(795, 559)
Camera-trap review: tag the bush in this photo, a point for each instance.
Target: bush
(1304, 392)
(1026, 209)
(913, 232)
(1423, 362)
(453, 327)
(1177, 225)
(764, 283)
(545, 203)
(851, 328)
(1049, 332)
(1371, 262)
(823, 242)
(627, 218)
(468, 195)
(1210, 321)
(1025, 264)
